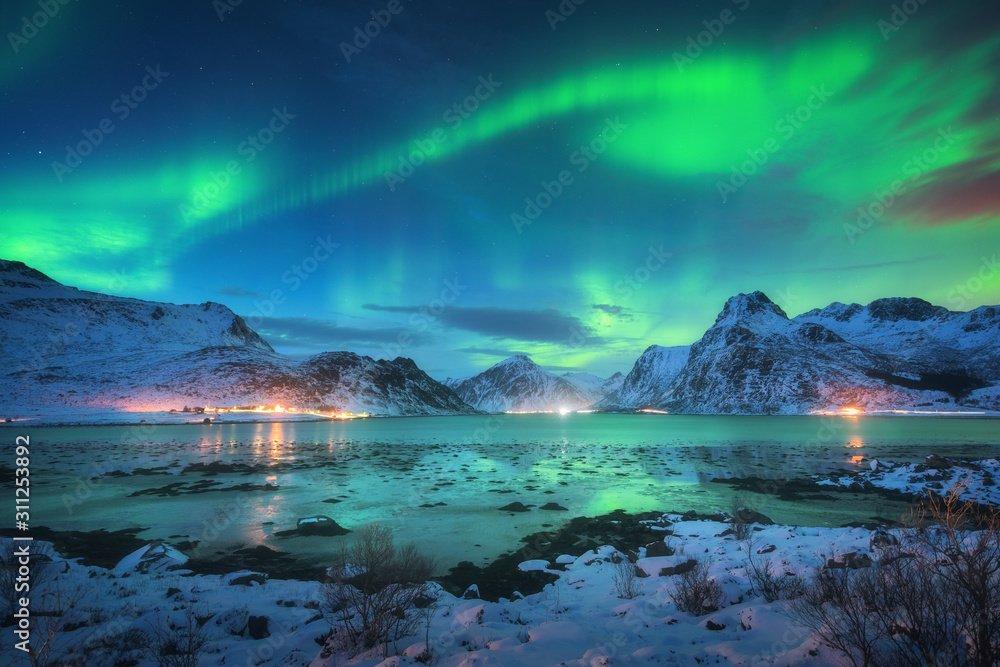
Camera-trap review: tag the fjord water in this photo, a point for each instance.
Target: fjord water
(439, 481)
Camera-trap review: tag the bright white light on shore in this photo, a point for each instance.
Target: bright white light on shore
(564, 411)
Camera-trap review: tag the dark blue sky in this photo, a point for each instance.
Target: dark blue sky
(476, 180)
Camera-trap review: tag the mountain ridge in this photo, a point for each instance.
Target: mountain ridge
(60, 345)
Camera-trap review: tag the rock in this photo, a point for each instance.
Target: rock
(852, 561)
(171, 592)
(320, 525)
(471, 593)
(937, 463)
(726, 533)
(515, 507)
(715, 627)
(657, 549)
(746, 515)
(246, 578)
(881, 538)
(554, 507)
(766, 550)
(875, 464)
(257, 627)
(155, 557)
(686, 566)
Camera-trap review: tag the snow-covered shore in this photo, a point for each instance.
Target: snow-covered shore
(976, 478)
(577, 620)
(81, 417)
(581, 618)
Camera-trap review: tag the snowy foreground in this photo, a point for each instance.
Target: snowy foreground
(578, 620)
(134, 612)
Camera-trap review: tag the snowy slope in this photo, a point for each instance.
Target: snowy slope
(754, 360)
(920, 333)
(518, 384)
(63, 347)
(592, 386)
(891, 354)
(650, 378)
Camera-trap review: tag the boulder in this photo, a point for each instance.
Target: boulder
(320, 525)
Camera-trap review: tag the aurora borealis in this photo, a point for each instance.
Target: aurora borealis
(574, 181)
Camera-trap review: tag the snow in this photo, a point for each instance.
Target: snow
(518, 384)
(976, 480)
(577, 620)
(650, 377)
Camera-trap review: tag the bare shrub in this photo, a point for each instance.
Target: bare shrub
(932, 599)
(763, 578)
(739, 509)
(625, 577)
(373, 593)
(178, 642)
(696, 592)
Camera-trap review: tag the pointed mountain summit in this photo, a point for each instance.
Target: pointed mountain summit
(518, 384)
(893, 353)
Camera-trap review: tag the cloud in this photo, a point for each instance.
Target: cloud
(311, 333)
(239, 292)
(545, 326)
(621, 312)
(492, 351)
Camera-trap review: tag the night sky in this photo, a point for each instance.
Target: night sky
(480, 179)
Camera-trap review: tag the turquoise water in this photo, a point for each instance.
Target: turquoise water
(385, 469)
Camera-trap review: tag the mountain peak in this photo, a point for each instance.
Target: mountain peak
(517, 359)
(744, 306)
(894, 309)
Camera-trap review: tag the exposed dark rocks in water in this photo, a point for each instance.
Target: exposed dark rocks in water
(501, 578)
(515, 507)
(554, 507)
(101, 548)
(319, 524)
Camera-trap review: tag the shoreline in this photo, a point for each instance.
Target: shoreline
(95, 418)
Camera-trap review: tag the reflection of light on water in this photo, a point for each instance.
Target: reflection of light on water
(857, 460)
(855, 442)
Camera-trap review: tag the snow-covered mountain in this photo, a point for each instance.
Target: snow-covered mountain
(647, 382)
(920, 333)
(593, 387)
(519, 384)
(893, 353)
(67, 347)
